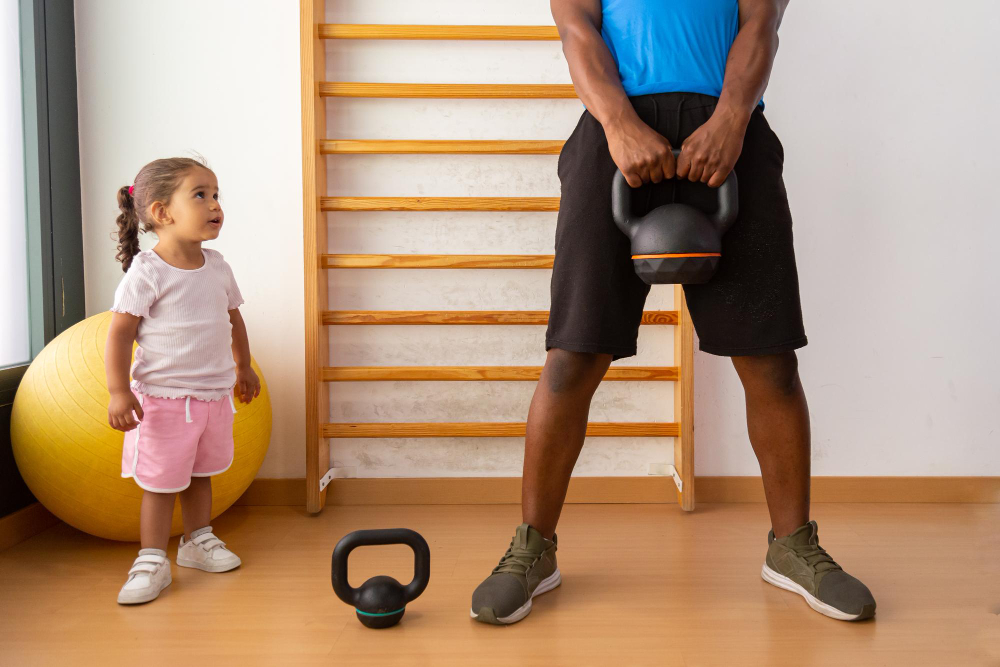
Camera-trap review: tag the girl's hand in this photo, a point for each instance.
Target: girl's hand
(120, 410)
(247, 384)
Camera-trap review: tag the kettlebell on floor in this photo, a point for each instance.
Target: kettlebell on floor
(675, 243)
(380, 601)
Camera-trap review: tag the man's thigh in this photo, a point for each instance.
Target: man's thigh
(597, 298)
(752, 306)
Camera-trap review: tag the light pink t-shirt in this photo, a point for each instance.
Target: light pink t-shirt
(185, 337)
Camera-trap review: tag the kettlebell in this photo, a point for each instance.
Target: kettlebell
(674, 243)
(380, 601)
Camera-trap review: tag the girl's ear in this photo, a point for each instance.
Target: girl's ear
(158, 212)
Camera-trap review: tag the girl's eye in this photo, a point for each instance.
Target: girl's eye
(199, 194)
(216, 195)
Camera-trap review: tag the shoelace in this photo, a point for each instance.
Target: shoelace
(516, 561)
(817, 558)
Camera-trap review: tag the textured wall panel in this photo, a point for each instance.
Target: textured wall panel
(459, 233)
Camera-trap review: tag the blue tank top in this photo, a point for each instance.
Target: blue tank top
(670, 46)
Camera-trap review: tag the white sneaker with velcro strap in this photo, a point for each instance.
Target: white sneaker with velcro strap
(149, 575)
(206, 552)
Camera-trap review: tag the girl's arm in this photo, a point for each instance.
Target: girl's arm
(247, 382)
(117, 358)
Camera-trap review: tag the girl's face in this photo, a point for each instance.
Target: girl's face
(193, 213)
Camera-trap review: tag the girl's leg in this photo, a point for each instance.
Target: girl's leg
(154, 519)
(206, 552)
(196, 505)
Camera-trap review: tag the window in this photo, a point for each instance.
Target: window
(41, 241)
(15, 347)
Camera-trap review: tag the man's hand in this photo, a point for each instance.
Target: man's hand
(247, 384)
(120, 409)
(642, 153)
(711, 152)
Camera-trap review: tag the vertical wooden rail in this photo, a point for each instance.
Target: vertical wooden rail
(684, 399)
(312, 14)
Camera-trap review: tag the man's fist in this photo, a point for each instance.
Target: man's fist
(711, 152)
(642, 153)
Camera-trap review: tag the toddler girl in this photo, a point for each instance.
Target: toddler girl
(180, 303)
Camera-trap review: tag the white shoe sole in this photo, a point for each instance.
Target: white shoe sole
(781, 581)
(224, 566)
(140, 596)
(546, 585)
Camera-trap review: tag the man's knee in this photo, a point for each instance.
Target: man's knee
(567, 371)
(772, 372)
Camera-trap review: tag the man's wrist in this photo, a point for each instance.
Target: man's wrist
(618, 118)
(736, 117)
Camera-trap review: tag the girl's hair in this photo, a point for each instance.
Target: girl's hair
(157, 181)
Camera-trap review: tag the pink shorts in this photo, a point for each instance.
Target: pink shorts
(177, 439)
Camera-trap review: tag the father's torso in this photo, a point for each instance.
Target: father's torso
(666, 46)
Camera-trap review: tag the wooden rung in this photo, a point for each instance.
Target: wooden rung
(437, 261)
(490, 430)
(465, 317)
(439, 203)
(448, 90)
(474, 373)
(493, 146)
(488, 32)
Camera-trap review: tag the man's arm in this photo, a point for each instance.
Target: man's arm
(711, 151)
(640, 152)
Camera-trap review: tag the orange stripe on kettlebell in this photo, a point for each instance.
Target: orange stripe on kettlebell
(682, 254)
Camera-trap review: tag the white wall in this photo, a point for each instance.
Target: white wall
(887, 111)
(157, 79)
(886, 114)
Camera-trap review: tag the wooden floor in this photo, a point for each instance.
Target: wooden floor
(642, 585)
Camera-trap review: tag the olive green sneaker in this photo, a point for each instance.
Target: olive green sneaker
(799, 564)
(526, 570)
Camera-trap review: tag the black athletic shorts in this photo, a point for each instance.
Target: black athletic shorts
(751, 305)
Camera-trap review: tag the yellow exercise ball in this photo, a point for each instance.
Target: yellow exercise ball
(71, 459)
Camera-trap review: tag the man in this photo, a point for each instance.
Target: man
(654, 75)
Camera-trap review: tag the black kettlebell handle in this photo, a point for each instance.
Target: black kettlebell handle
(367, 538)
(621, 202)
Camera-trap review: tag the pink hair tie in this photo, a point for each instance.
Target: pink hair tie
(131, 190)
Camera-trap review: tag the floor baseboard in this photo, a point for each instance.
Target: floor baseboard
(652, 489)
(27, 522)
(24, 523)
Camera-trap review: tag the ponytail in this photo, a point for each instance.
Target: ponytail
(128, 228)
(155, 182)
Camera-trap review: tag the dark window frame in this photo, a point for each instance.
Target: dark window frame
(53, 202)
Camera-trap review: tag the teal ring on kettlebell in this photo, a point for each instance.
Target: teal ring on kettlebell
(388, 613)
